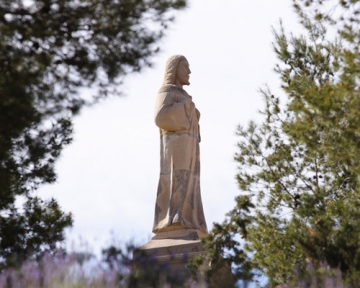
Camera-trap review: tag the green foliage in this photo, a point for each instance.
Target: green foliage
(49, 50)
(225, 261)
(32, 232)
(299, 167)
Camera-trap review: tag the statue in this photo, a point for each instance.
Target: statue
(178, 202)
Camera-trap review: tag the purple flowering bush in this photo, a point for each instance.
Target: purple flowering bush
(115, 269)
(61, 270)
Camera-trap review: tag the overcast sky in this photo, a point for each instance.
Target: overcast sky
(108, 176)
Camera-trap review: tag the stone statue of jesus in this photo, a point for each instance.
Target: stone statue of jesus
(178, 202)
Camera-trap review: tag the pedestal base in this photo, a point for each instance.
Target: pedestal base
(167, 253)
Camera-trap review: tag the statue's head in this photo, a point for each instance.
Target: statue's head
(172, 66)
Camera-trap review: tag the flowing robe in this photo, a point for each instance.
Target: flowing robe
(178, 203)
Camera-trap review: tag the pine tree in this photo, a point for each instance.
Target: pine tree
(298, 210)
(49, 51)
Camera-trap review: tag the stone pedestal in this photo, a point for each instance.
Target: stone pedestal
(167, 254)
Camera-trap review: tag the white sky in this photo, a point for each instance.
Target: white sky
(108, 176)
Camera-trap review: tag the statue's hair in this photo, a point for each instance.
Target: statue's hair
(171, 67)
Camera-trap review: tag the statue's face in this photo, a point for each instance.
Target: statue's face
(183, 73)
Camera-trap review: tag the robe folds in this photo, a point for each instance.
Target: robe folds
(178, 202)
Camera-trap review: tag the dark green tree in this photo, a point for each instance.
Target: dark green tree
(298, 211)
(50, 50)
